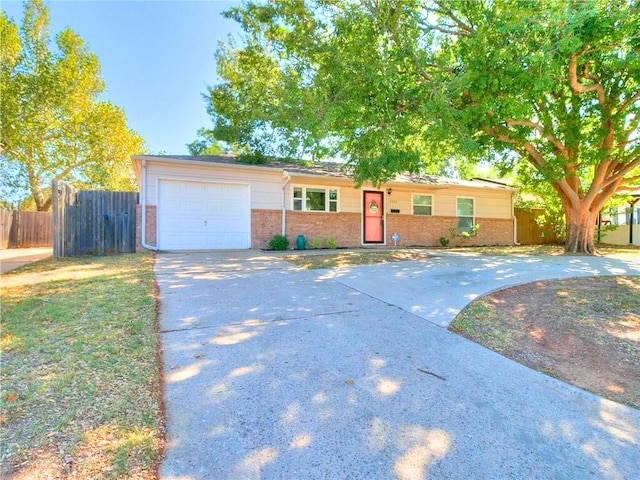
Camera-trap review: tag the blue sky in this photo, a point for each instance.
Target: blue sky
(157, 59)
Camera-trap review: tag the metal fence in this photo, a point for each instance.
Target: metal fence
(91, 222)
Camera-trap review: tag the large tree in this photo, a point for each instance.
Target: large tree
(205, 144)
(408, 85)
(52, 125)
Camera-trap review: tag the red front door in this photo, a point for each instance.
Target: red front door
(373, 217)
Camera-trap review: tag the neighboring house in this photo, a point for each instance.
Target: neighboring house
(621, 225)
(216, 202)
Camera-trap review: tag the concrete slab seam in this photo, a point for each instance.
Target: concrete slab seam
(233, 324)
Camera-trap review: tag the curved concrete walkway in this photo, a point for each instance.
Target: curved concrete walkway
(275, 373)
(438, 288)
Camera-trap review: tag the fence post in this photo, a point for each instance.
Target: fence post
(54, 218)
(17, 230)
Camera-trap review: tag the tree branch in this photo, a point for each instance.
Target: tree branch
(535, 155)
(527, 149)
(621, 171)
(72, 167)
(577, 87)
(572, 176)
(598, 179)
(420, 68)
(449, 13)
(500, 136)
(628, 102)
(540, 128)
(629, 183)
(438, 28)
(604, 196)
(570, 194)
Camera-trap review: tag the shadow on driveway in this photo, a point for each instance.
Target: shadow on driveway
(274, 372)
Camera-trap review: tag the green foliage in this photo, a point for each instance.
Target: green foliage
(462, 236)
(296, 89)
(332, 243)
(206, 144)
(316, 243)
(444, 241)
(279, 242)
(52, 125)
(419, 86)
(253, 158)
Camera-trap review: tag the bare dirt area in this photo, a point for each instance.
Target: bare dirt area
(583, 331)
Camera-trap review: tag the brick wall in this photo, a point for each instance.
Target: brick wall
(426, 231)
(150, 226)
(264, 225)
(345, 227)
(494, 231)
(418, 230)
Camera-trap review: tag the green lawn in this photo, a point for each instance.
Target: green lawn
(81, 394)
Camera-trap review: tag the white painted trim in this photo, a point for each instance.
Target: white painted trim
(194, 180)
(475, 208)
(284, 203)
(317, 187)
(195, 161)
(424, 195)
(143, 211)
(384, 216)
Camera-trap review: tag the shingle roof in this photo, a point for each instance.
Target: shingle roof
(329, 169)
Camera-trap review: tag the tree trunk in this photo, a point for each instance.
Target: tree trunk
(581, 225)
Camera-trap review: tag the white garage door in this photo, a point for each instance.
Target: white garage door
(202, 216)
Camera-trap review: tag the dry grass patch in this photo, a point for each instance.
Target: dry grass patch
(584, 331)
(613, 251)
(349, 258)
(81, 387)
(346, 259)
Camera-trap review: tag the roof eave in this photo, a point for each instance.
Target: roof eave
(194, 161)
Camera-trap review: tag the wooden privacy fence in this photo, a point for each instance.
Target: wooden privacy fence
(92, 222)
(528, 230)
(20, 229)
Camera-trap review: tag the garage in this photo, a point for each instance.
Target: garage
(203, 215)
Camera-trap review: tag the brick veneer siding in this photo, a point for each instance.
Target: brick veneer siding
(264, 225)
(345, 227)
(493, 231)
(150, 227)
(426, 231)
(267, 223)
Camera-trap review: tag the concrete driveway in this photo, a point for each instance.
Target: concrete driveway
(12, 258)
(277, 373)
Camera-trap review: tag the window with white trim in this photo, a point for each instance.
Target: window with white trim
(314, 199)
(422, 204)
(465, 210)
